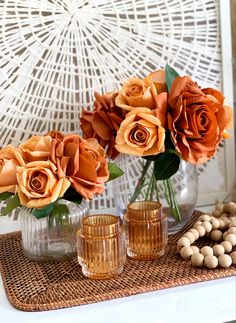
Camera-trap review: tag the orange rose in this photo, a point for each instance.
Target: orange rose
(158, 79)
(104, 122)
(55, 134)
(36, 148)
(197, 119)
(83, 162)
(141, 134)
(10, 158)
(135, 93)
(39, 185)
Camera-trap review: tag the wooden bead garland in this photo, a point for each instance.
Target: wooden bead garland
(220, 226)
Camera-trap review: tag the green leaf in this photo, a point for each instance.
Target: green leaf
(171, 74)
(73, 196)
(59, 210)
(169, 145)
(44, 211)
(12, 204)
(166, 165)
(5, 195)
(60, 217)
(114, 171)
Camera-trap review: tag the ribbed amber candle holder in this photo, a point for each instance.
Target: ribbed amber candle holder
(101, 246)
(146, 230)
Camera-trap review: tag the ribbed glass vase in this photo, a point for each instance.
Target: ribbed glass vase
(52, 238)
(146, 230)
(101, 246)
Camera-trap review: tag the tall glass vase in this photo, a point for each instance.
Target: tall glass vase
(52, 238)
(184, 186)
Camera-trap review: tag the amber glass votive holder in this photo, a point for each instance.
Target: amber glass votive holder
(101, 246)
(146, 230)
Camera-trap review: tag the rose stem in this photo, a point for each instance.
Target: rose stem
(157, 190)
(141, 181)
(174, 203)
(149, 189)
(153, 185)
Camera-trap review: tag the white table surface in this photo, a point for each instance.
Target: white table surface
(207, 302)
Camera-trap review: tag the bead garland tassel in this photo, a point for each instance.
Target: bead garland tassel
(220, 226)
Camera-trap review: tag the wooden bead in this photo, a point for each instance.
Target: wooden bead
(186, 252)
(233, 210)
(229, 207)
(197, 259)
(222, 224)
(216, 213)
(231, 237)
(232, 222)
(204, 217)
(215, 223)
(207, 225)
(216, 235)
(219, 207)
(224, 215)
(195, 232)
(201, 230)
(233, 257)
(183, 242)
(211, 261)
(225, 219)
(232, 230)
(225, 234)
(225, 261)
(195, 249)
(227, 246)
(190, 236)
(206, 251)
(197, 224)
(218, 250)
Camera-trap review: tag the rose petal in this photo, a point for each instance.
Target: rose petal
(86, 170)
(9, 188)
(100, 126)
(8, 173)
(179, 84)
(87, 189)
(61, 187)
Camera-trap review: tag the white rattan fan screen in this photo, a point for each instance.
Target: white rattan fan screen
(55, 53)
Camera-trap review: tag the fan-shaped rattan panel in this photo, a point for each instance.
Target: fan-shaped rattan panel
(55, 53)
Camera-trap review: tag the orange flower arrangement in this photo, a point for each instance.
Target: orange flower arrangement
(163, 118)
(46, 168)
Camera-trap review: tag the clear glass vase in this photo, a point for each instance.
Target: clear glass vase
(184, 185)
(52, 238)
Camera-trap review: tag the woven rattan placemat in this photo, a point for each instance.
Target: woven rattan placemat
(33, 286)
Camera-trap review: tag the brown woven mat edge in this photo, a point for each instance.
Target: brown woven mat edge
(109, 296)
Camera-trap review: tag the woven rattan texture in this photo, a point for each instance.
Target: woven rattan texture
(32, 286)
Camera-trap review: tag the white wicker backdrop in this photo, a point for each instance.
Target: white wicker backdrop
(55, 53)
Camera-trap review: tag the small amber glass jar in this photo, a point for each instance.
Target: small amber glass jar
(146, 230)
(101, 246)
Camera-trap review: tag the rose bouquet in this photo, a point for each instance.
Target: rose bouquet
(45, 169)
(162, 118)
